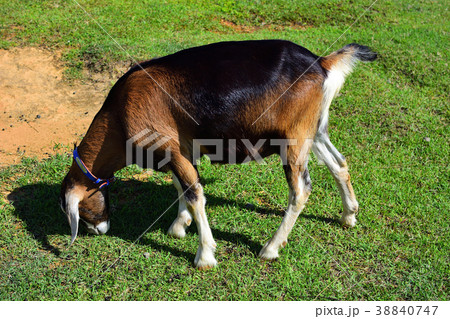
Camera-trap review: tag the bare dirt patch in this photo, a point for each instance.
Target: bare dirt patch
(38, 109)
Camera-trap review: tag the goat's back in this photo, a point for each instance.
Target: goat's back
(229, 90)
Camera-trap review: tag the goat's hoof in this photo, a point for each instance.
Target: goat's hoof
(177, 231)
(176, 234)
(348, 221)
(204, 268)
(204, 259)
(268, 253)
(204, 264)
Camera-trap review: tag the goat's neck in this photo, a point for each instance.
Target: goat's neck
(103, 148)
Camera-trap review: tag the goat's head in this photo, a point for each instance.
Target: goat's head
(82, 200)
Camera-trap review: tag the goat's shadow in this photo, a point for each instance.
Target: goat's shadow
(135, 206)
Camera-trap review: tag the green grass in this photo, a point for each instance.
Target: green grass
(399, 249)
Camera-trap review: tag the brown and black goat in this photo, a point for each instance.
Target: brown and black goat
(247, 95)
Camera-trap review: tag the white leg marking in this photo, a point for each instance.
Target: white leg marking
(204, 258)
(326, 152)
(279, 239)
(297, 201)
(184, 219)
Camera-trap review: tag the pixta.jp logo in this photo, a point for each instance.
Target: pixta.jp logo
(152, 149)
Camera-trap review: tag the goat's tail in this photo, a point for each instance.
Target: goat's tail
(346, 58)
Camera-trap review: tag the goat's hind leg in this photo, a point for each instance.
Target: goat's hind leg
(184, 219)
(337, 165)
(299, 182)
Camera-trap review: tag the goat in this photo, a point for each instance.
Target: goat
(232, 91)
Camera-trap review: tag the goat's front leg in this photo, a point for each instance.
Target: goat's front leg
(184, 219)
(299, 189)
(337, 165)
(195, 203)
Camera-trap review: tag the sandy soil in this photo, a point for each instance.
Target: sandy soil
(39, 110)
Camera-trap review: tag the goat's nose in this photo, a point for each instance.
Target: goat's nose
(103, 227)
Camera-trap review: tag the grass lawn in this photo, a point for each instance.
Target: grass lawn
(391, 121)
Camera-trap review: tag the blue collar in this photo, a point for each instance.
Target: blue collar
(87, 172)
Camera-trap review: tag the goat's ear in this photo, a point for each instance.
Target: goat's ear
(72, 201)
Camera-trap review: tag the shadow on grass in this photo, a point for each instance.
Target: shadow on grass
(135, 206)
